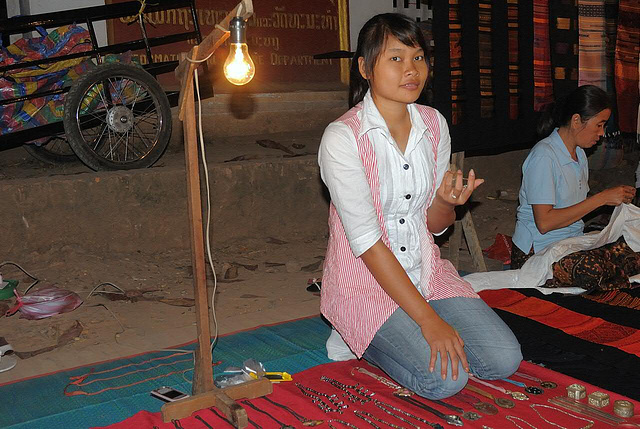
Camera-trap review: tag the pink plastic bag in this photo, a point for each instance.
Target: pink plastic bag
(45, 302)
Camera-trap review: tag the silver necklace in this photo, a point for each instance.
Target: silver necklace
(513, 418)
(534, 406)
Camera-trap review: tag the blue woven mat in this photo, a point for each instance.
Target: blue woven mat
(41, 403)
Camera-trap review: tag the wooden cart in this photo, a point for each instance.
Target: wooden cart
(116, 116)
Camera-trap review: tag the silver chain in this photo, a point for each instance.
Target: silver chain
(512, 418)
(590, 422)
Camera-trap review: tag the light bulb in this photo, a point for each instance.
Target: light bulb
(238, 68)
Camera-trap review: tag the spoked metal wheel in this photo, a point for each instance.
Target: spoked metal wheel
(54, 151)
(117, 117)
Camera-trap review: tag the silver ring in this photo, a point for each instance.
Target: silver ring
(453, 196)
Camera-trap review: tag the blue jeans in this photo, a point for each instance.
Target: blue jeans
(400, 350)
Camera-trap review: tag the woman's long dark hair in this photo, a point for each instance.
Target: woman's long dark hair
(371, 41)
(587, 101)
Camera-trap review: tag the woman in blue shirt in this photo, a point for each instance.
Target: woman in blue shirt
(555, 175)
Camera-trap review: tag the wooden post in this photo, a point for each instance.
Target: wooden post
(204, 392)
(465, 225)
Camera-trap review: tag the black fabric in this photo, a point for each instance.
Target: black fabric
(603, 366)
(563, 38)
(474, 132)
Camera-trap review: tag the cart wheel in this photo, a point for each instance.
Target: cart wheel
(55, 151)
(117, 117)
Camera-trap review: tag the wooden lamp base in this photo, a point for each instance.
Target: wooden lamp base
(222, 399)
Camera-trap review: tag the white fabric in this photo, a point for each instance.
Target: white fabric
(342, 171)
(625, 221)
(337, 349)
(7, 359)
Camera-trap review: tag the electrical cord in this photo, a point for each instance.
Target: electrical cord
(208, 227)
(35, 280)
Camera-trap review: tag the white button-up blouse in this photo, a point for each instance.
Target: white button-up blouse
(405, 182)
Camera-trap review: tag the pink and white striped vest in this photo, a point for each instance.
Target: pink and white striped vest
(351, 298)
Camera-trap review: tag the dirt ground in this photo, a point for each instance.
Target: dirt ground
(261, 280)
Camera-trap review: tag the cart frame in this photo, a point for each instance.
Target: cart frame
(88, 16)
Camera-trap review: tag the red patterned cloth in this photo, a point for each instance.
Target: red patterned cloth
(455, 62)
(485, 62)
(592, 68)
(543, 87)
(589, 328)
(514, 68)
(288, 394)
(627, 53)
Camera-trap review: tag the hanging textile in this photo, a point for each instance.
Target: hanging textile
(626, 64)
(488, 97)
(543, 87)
(591, 43)
(611, 30)
(563, 33)
(455, 59)
(485, 63)
(514, 89)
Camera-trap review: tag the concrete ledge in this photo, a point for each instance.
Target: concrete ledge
(145, 210)
(243, 114)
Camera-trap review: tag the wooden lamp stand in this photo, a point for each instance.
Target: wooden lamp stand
(205, 394)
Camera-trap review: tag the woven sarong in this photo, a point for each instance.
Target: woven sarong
(543, 87)
(563, 33)
(485, 63)
(611, 29)
(514, 69)
(592, 45)
(455, 61)
(627, 47)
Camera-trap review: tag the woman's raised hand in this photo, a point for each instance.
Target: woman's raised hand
(453, 188)
(618, 195)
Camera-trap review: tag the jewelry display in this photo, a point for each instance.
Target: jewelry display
(586, 410)
(471, 416)
(442, 403)
(397, 416)
(501, 402)
(515, 395)
(305, 421)
(342, 422)
(449, 418)
(623, 408)
(512, 418)
(483, 407)
(388, 407)
(576, 391)
(545, 384)
(534, 390)
(363, 417)
(282, 425)
(380, 379)
(598, 399)
(371, 416)
(590, 423)
(207, 425)
(316, 398)
(365, 395)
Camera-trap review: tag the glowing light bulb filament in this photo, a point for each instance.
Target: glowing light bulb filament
(238, 68)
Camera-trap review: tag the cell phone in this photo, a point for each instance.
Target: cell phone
(168, 394)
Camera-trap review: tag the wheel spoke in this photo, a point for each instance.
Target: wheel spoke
(142, 136)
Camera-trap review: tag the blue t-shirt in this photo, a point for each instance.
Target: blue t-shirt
(550, 176)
